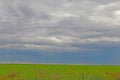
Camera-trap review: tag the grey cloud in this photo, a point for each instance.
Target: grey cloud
(58, 24)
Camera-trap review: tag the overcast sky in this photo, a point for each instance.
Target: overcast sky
(60, 31)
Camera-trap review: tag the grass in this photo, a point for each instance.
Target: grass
(58, 72)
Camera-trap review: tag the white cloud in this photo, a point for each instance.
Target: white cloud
(107, 14)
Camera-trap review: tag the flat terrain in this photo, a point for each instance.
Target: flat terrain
(58, 72)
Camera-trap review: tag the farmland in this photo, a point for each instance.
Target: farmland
(58, 72)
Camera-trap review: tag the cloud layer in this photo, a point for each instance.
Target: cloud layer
(59, 25)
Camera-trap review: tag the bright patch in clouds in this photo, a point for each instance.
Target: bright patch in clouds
(117, 14)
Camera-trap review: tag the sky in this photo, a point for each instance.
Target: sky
(60, 31)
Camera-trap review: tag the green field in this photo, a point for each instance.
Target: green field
(58, 72)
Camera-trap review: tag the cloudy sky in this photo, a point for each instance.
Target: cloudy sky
(60, 31)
